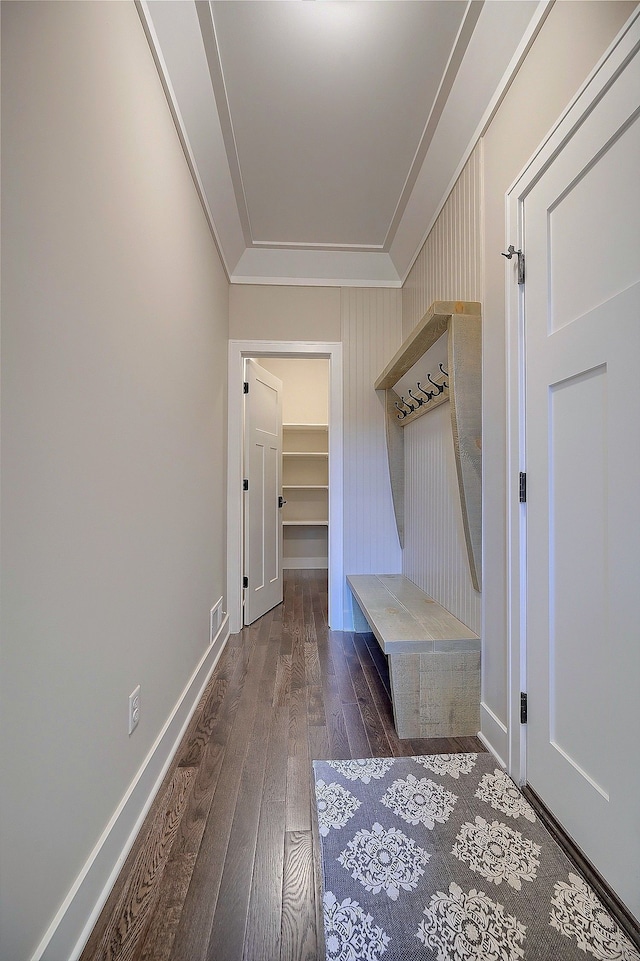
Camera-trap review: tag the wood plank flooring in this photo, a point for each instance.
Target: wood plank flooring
(226, 866)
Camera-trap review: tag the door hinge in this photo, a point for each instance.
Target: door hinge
(245, 484)
(245, 387)
(523, 707)
(245, 581)
(523, 487)
(511, 251)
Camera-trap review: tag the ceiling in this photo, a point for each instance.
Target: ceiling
(324, 135)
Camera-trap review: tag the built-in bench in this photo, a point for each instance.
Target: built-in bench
(434, 659)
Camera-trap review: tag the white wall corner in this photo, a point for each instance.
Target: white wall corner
(493, 734)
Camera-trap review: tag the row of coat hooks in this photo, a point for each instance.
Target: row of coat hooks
(407, 407)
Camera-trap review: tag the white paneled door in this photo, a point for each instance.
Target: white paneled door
(581, 235)
(262, 471)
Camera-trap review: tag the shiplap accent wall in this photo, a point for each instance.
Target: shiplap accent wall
(449, 267)
(435, 557)
(371, 334)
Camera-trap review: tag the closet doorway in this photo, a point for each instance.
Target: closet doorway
(311, 483)
(305, 460)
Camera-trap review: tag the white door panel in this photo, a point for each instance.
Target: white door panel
(594, 206)
(581, 231)
(262, 524)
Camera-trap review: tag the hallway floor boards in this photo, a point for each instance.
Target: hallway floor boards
(226, 866)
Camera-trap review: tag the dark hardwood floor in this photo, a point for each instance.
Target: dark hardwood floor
(226, 866)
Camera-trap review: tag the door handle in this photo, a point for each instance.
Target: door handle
(281, 501)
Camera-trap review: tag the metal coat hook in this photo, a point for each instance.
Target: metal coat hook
(406, 407)
(511, 250)
(439, 387)
(429, 394)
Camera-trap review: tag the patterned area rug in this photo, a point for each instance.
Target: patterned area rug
(441, 857)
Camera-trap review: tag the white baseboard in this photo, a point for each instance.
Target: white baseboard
(494, 734)
(74, 922)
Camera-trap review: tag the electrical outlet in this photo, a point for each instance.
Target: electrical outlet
(134, 709)
(215, 620)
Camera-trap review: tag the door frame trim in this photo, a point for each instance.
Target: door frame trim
(602, 77)
(238, 351)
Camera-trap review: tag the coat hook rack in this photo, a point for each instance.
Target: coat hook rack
(461, 321)
(414, 402)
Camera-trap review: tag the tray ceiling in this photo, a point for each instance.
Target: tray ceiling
(323, 136)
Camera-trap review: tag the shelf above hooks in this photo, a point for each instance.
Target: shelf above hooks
(433, 325)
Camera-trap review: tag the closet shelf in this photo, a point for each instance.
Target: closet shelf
(306, 487)
(305, 523)
(305, 427)
(305, 484)
(305, 453)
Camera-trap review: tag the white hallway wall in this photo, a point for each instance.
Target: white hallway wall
(114, 345)
(461, 260)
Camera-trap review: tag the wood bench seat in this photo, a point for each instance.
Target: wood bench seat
(434, 659)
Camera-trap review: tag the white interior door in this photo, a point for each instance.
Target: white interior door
(262, 523)
(581, 231)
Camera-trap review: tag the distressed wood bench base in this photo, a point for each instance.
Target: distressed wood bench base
(434, 659)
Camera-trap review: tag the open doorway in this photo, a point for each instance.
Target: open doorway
(285, 475)
(305, 459)
(312, 419)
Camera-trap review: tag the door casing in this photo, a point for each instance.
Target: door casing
(238, 351)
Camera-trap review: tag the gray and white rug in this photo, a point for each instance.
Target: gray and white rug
(441, 857)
